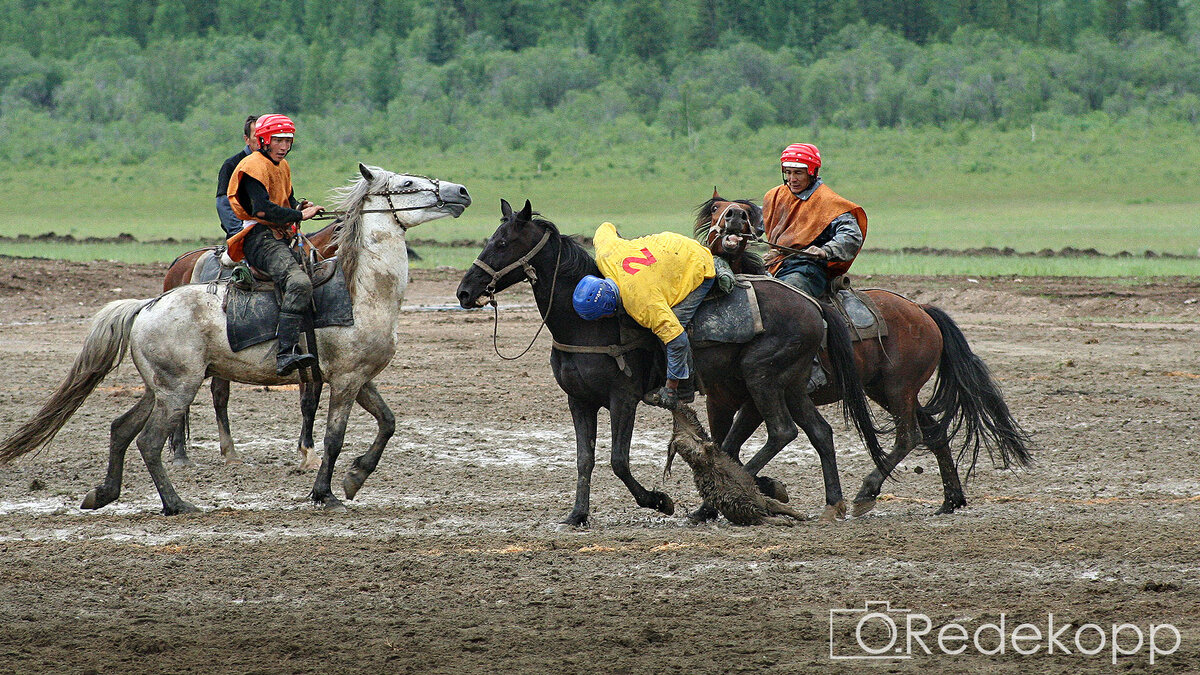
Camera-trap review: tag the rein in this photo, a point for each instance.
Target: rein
(531, 277)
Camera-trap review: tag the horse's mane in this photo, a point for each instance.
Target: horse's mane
(751, 262)
(349, 199)
(575, 261)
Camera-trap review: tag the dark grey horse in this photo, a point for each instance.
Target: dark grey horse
(772, 369)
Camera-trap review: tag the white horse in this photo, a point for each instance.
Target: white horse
(178, 339)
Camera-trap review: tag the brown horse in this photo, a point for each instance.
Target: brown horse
(921, 339)
(180, 273)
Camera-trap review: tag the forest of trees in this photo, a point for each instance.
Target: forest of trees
(116, 79)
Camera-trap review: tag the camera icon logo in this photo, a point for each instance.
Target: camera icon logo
(877, 631)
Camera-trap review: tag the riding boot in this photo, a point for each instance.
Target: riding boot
(817, 379)
(288, 356)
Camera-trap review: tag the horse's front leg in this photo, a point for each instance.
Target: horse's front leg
(623, 410)
(310, 398)
(365, 463)
(340, 402)
(583, 416)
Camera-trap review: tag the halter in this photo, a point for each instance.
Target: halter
(523, 262)
(531, 277)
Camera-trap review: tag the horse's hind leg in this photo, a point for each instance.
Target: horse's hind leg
(820, 434)
(122, 432)
(163, 417)
(935, 440)
(310, 398)
(903, 408)
(220, 397)
(365, 463)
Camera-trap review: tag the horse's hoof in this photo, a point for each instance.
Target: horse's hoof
(232, 459)
(575, 520)
(332, 504)
(862, 508)
(772, 488)
(833, 513)
(180, 509)
(310, 461)
(352, 482)
(949, 507)
(89, 500)
(702, 515)
(183, 462)
(664, 504)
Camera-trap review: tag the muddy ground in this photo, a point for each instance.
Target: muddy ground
(450, 560)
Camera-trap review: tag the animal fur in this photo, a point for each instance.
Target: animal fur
(721, 481)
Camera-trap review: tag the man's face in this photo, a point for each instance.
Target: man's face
(278, 148)
(797, 179)
(251, 142)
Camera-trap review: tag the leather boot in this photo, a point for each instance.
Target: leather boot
(288, 356)
(686, 392)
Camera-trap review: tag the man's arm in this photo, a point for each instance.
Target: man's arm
(846, 239)
(229, 220)
(261, 205)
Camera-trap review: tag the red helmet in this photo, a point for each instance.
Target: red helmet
(269, 126)
(799, 155)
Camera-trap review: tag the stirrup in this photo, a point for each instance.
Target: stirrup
(286, 364)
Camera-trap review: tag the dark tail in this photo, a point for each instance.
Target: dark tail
(840, 349)
(967, 400)
(102, 351)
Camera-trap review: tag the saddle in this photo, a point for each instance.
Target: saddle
(252, 303)
(858, 309)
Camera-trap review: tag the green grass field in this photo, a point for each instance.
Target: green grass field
(1111, 188)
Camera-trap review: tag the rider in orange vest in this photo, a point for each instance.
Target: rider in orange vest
(260, 193)
(804, 213)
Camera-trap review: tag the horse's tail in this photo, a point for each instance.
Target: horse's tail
(101, 353)
(840, 349)
(967, 399)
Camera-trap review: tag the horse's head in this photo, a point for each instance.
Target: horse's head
(410, 199)
(506, 256)
(728, 226)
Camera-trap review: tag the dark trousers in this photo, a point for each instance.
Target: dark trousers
(806, 274)
(274, 257)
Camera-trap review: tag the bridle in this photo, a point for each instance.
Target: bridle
(531, 277)
(392, 208)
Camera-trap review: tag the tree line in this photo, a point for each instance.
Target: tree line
(105, 74)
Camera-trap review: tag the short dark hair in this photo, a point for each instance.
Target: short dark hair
(248, 129)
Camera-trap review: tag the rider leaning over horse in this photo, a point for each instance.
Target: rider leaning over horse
(260, 192)
(805, 214)
(660, 280)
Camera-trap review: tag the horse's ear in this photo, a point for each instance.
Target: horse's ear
(526, 212)
(366, 173)
(715, 195)
(505, 208)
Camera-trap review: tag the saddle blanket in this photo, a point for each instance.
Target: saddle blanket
(252, 311)
(730, 318)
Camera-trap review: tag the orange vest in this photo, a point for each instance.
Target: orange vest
(277, 178)
(795, 223)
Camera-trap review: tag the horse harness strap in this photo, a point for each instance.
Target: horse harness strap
(392, 208)
(523, 261)
(617, 352)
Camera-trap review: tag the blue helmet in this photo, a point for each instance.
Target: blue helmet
(596, 298)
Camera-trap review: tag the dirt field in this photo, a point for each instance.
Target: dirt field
(450, 560)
